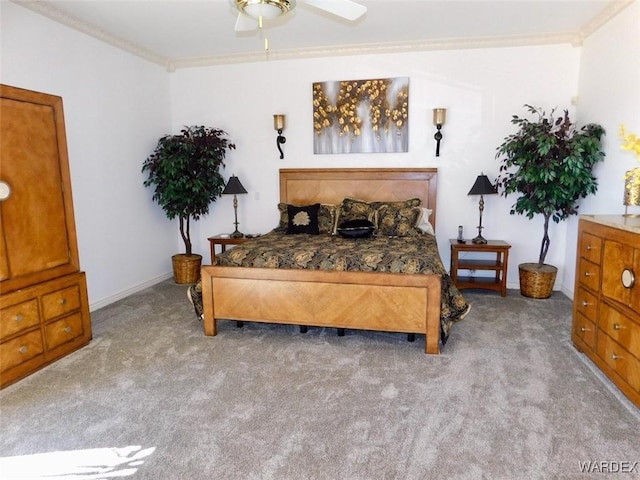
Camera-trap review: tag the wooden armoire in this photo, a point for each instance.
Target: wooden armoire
(44, 309)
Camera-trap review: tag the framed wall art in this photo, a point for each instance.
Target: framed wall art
(361, 116)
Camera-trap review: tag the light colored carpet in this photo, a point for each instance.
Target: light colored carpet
(153, 398)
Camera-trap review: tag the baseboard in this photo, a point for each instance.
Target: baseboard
(568, 292)
(129, 291)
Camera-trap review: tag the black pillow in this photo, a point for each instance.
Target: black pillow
(303, 219)
(359, 228)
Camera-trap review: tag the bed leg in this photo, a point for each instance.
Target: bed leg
(411, 337)
(303, 329)
(341, 332)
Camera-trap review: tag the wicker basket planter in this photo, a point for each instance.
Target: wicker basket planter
(536, 281)
(186, 268)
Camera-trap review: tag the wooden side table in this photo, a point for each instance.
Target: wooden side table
(499, 265)
(223, 241)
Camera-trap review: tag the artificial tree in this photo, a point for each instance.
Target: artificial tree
(549, 163)
(184, 170)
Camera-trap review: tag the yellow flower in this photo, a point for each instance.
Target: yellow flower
(630, 141)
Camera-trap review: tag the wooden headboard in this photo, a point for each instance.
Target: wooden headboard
(305, 186)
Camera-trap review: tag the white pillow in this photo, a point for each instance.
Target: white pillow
(424, 223)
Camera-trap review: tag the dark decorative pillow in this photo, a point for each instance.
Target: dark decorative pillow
(354, 209)
(326, 218)
(398, 221)
(356, 228)
(303, 219)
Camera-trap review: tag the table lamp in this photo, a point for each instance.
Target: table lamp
(482, 187)
(234, 187)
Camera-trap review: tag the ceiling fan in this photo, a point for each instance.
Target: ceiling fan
(253, 12)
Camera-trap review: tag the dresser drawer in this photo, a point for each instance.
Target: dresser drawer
(62, 331)
(620, 360)
(585, 330)
(620, 328)
(60, 302)
(587, 304)
(591, 247)
(589, 274)
(19, 317)
(20, 349)
(618, 258)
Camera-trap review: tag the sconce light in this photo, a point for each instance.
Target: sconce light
(234, 187)
(278, 124)
(439, 117)
(481, 187)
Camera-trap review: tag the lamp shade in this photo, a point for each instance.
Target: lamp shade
(439, 116)
(632, 188)
(233, 186)
(278, 122)
(483, 186)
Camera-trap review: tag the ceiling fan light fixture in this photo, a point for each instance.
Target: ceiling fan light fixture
(266, 9)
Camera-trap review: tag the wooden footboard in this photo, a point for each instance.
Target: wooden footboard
(354, 300)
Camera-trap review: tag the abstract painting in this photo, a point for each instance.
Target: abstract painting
(361, 116)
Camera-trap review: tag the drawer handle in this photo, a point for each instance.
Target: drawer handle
(616, 326)
(585, 303)
(63, 301)
(615, 357)
(589, 247)
(587, 274)
(19, 318)
(5, 190)
(67, 329)
(23, 349)
(628, 278)
(584, 329)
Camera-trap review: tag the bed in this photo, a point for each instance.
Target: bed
(367, 300)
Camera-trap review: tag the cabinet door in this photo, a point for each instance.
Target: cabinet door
(37, 219)
(4, 255)
(619, 257)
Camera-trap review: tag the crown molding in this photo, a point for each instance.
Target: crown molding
(573, 38)
(614, 8)
(379, 48)
(54, 13)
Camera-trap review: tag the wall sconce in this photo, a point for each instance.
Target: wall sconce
(482, 186)
(439, 117)
(234, 187)
(278, 124)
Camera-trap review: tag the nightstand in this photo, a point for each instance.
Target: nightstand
(499, 265)
(223, 241)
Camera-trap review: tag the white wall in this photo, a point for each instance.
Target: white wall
(609, 94)
(481, 89)
(116, 106)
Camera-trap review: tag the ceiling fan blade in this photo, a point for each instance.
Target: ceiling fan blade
(342, 8)
(245, 23)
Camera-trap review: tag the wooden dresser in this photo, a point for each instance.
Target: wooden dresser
(606, 307)
(44, 309)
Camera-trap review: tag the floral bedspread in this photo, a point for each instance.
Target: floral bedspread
(411, 255)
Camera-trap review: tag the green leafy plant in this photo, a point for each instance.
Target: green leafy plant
(184, 169)
(549, 162)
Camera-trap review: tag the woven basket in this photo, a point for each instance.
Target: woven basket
(536, 281)
(186, 268)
